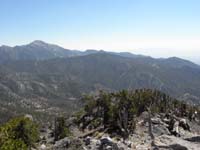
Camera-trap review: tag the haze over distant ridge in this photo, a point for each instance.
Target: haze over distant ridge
(156, 28)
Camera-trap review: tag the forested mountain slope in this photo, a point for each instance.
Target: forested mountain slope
(55, 82)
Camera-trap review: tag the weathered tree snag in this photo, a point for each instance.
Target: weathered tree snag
(150, 124)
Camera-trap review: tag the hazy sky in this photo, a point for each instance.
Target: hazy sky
(160, 28)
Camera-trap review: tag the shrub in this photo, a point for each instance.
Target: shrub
(18, 133)
(12, 144)
(61, 130)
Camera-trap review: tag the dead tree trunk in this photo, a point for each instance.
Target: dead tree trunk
(150, 124)
(150, 129)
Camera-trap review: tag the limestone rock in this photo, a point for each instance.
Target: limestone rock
(62, 144)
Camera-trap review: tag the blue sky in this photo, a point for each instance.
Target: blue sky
(160, 28)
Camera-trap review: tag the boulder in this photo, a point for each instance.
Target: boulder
(165, 142)
(144, 116)
(29, 117)
(87, 140)
(160, 130)
(184, 124)
(68, 144)
(195, 139)
(94, 143)
(156, 120)
(43, 147)
(106, 140)
(176, 129)
(128, 143)
(108, 144)
(62, 144)
(177, 147)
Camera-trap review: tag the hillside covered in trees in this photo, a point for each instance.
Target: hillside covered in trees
(118, 111)
(111, 120)
(45, 80)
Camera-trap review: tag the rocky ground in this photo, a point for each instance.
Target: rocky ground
(183, 135)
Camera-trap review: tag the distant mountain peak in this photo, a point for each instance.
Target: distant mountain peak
(174, 58)
(38, 43)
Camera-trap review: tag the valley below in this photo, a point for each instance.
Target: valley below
(75, 96)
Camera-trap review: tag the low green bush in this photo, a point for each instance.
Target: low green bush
(18, 134)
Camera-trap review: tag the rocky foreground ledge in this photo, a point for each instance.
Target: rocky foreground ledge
(185, 135)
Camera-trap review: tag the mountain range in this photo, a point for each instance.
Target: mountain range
(39, 50)
(41, 76)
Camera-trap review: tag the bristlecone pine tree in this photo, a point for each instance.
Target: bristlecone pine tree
(118, 111)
